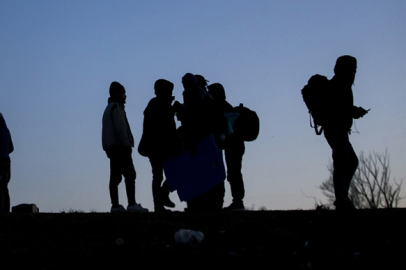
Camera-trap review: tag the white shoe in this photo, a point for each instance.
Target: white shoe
(136, 208)
(117, 209)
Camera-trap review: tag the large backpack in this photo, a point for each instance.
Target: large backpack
(316, 99)
(247, 123)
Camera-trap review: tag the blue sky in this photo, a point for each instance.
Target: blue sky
(57, 59)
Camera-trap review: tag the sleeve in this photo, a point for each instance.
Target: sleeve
(121, 127)
(10, 146)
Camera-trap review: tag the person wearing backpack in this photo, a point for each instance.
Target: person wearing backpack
(340, 114)
(234, 149)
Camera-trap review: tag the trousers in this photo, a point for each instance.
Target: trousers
(5, 176)
(121, 164)
(345, 161)
(233, 153)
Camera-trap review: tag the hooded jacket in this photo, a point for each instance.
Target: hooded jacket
(116, 131)
(341, 105)
(159, 128)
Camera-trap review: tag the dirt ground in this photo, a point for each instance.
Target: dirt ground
(312, 239)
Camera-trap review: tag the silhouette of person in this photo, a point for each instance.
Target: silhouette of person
(118, 141)
(195, 122)
(6, 147)
(341, 112)
(201, 82)
(234, 149)
(201, 117)
(159, 139)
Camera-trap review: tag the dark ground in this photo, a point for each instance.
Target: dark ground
(312, 239)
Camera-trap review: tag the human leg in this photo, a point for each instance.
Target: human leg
(115, 180)
(4, 180)
(219, 194)
(160, 192)
(128, 171)
(339, 145)
(233, 156)
(352, 166)
(129, 174)
(157, 176)
(345, 163)
(3, 196)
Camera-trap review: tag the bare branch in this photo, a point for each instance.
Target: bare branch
(371, 186)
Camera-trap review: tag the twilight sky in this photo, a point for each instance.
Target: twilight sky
(58, 58)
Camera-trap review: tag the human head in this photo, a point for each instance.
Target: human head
(2, 121)
(216, 90)
(345, 68)
(117, 91)
(201, 81)
(189, 80)
(163, 88)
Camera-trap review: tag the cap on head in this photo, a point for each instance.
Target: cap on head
(216, 90)
(163, 87)
(345, 64)
(116, 88)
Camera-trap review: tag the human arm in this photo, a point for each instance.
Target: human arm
(11, 146)
(121, 127)
(358, 112)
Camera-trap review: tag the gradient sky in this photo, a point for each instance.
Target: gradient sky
(58, 58)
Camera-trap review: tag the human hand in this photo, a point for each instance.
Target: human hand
(359, 112)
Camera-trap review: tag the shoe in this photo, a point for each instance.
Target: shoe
(136, 208)
(161, 209)
(235, 206)
(165, 201)
(344, 206)
(117, 209)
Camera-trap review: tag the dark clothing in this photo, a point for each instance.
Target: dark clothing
(6, 143)
(234, 149)
(157, 175)
(340, 106)
(159, 190)
(201, 117)
(116, 129)
(5, 176)
(233, 153)
(6, 147)
(345, 161)
(121, 163)
(118, 141)
(159, 142)
(211, 200)
(159, 129)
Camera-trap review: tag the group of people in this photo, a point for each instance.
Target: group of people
(201, 114)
